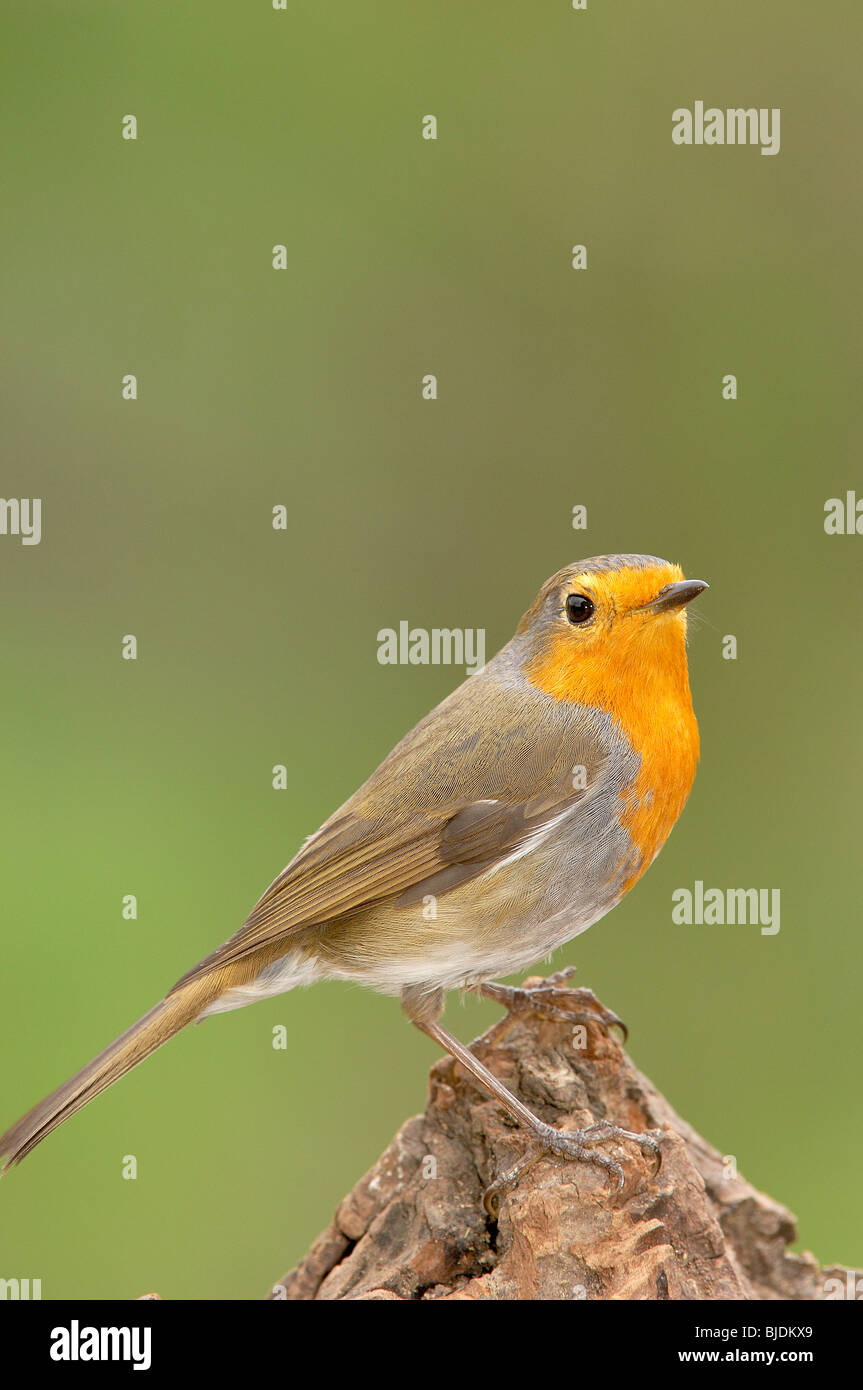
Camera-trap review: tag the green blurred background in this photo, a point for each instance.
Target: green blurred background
(258, 647)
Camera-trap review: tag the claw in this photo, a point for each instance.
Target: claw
(606, 1020)
(607, 1017)
(541, 1000)
(508, 1181)
(650, 1148)
(574, 1146)
(598, 1013)
(560, 975)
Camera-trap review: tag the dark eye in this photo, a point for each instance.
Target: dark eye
(579, 608)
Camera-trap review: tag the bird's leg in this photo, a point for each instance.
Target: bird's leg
(572, 1144)
(544, 1000)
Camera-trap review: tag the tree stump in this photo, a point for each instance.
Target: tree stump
(415, 1226)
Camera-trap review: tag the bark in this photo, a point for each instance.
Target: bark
(415, 1226)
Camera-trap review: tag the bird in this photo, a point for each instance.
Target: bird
(511, 818)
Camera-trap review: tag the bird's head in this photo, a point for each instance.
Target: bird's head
(607, 628)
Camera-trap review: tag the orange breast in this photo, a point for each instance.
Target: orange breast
(644, 685)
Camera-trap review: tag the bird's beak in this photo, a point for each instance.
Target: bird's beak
(674, 596)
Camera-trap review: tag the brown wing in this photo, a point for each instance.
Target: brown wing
(453, 798)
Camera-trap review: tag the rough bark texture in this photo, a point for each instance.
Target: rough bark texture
(415, 1226)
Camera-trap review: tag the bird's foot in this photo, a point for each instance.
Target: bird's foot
(545, 1000)
(573, 1145)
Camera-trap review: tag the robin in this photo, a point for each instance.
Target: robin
(510, 819)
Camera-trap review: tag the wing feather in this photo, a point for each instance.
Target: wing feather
(461, 815)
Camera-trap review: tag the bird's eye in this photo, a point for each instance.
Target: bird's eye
(579, 608)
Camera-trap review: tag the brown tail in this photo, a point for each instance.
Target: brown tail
(155, 1028)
